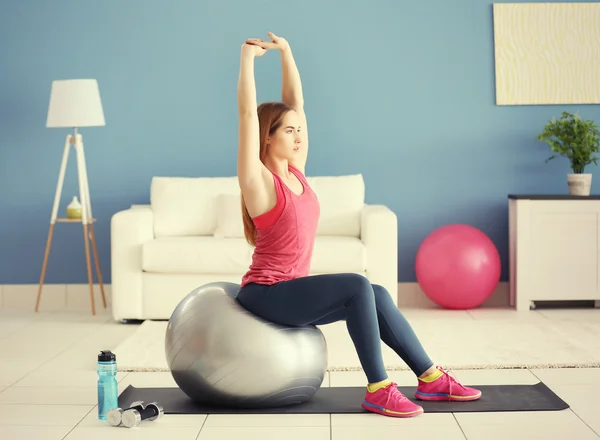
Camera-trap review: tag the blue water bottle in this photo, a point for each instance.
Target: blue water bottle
(108, 388)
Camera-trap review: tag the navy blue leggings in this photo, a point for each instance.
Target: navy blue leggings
(370, 314)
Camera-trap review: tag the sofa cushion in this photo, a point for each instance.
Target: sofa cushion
(342, 199)
(230, 222)
(338, 254)
(196, 255)
(234, 255)
(189, 206)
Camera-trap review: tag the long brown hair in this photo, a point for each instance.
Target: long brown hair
(270, 117)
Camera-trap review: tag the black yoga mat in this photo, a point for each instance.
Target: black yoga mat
(347, 400)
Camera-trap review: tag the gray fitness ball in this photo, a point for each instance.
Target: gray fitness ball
(220, 354)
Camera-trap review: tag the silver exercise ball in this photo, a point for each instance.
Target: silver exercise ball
(220, 354)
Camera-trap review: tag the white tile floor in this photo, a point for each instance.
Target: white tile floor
(48, 391)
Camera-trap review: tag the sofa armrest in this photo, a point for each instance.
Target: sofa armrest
(129, 230)
(379, 233)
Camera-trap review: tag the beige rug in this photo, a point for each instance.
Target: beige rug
(454, 340)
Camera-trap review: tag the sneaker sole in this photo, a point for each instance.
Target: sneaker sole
(446, 397)
(386, 412)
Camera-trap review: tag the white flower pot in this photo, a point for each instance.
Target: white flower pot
(579, 184)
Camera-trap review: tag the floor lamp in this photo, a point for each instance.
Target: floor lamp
(75, 104)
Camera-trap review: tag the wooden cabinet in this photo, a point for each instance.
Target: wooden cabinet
(554, 249)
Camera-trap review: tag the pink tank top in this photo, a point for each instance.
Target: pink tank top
(285, 235)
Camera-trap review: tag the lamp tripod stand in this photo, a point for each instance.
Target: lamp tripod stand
(87, 219)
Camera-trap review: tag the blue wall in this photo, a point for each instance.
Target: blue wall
(402, 92)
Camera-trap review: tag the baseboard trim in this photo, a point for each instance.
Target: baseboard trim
(55, 297)
(410, 295)
(77, 297)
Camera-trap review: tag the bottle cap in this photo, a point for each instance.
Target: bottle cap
(106, 356)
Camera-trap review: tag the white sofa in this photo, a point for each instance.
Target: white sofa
(192, 234)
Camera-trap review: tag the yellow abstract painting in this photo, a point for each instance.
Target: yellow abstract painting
(547, 53)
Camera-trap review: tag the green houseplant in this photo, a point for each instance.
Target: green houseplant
(577, 140)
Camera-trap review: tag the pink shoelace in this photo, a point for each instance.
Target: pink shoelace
(452, 381)
(392, 391)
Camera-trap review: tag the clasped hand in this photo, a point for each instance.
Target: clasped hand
(259, 47)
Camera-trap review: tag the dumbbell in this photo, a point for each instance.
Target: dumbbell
(115, 415)
(132, 417)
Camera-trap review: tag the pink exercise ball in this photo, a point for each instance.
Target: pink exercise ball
(458, 267)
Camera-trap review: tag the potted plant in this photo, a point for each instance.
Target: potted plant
(577, 140)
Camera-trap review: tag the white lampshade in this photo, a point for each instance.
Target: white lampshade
(75, 103)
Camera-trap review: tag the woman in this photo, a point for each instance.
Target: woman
(280, 214)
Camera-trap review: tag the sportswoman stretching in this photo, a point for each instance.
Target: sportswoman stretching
(280, 214)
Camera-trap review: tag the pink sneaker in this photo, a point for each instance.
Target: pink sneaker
(388, 401)
(446, 387)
